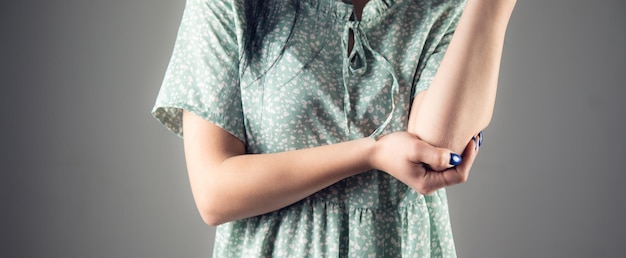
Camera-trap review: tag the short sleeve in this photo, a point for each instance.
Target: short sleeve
(202, 76)
(439, 40)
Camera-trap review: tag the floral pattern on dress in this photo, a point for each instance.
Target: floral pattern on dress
(316, 93)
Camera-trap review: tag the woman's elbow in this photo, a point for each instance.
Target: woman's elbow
(485, 120)
(208, 197)
(211, 213)
(209, 203)
(211, 219)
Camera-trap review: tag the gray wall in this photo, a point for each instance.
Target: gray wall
(86, 172)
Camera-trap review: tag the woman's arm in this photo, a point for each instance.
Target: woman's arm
(228, 184)
(460, 100)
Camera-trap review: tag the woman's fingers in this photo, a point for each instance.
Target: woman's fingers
(434, 180)
(420, 165)
(438, 159)
(460, 173)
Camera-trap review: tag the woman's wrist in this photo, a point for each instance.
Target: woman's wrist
(369, 145)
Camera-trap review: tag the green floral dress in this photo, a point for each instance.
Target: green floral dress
(308, 93)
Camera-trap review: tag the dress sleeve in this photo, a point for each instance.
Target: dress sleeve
(203, 74)
(439, 39)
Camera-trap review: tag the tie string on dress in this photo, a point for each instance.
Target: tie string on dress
(356, 64)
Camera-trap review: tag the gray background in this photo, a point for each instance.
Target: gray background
(86, 172)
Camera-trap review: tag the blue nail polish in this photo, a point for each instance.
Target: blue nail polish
(475, 142)
(480, 141)
(455, 159)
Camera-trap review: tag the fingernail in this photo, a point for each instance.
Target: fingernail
(455, 159)
(480, 141)
(475, 142)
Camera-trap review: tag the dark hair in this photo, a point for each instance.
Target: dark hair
(260, 19)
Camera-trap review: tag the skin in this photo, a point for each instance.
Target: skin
(461, 98)
(229, 184)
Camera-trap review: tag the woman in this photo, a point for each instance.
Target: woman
(321, 128)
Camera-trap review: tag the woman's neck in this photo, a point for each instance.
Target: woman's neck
(358, 7)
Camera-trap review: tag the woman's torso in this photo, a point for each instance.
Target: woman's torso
(315, 95)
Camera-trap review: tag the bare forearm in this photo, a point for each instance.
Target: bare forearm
(461, 98)
(267, 182)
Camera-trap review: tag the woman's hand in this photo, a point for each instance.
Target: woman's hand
(421, 166)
